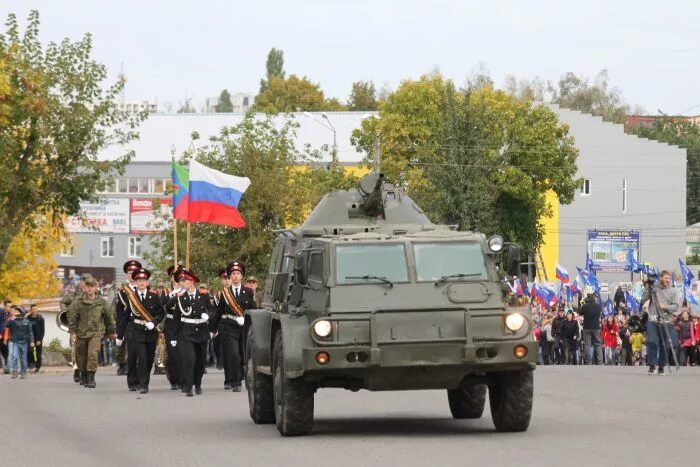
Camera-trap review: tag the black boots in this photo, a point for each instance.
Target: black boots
(82, 376)
(76, 376)
(121, 371)
(90, 380)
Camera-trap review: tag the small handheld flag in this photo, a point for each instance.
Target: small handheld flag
(562, 274)
(687, 275)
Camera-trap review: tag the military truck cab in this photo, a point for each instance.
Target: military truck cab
(369, 294)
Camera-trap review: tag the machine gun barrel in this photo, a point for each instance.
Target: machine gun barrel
(373, 203)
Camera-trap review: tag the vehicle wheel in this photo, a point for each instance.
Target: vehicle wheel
(510, 399)
(468, 401)
(261, 400)
(294, 399)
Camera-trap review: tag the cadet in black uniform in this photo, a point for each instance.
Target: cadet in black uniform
(143, 311)
(191, 312)
(120, 300)
(170, 330)
(229, 321)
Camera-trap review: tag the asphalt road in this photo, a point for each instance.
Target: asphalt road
(607, 416)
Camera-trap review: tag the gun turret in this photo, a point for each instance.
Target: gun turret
(372, 196)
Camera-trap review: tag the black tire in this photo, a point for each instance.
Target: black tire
(294, 399)
(467, 402)
(510, 399)
(261, 401)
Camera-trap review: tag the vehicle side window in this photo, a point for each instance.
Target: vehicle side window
(316, 267)
(276, 258)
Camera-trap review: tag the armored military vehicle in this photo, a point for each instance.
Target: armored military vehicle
(369, 294)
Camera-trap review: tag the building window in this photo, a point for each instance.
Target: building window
(122, 185)
(133, 185)
(107, 250)
(134, 247)
(144, 185)
(624, 195)
(68, 249)
(158, 185)
(586, 187)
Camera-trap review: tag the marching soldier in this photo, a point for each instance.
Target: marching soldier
(170, 330)
(143, 310)
(252, 284)
(65, 304)
(229, 321)
(89, 319)
(120, 305)
(191, 311)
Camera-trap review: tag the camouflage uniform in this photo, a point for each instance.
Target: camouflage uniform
(89, 320)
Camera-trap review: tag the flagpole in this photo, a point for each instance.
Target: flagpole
(172, 156)
(187, 248)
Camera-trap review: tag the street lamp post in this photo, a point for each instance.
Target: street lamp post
(330, 126)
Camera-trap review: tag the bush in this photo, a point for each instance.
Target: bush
(55, 346)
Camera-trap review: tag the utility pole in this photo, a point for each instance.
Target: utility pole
(377, 154)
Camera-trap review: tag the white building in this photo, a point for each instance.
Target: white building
(134, 107)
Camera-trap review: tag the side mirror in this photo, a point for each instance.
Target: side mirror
(511, 260)
(301, 268)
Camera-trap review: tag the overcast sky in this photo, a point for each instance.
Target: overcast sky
(175, 48)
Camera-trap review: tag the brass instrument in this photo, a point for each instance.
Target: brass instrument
(62, 320)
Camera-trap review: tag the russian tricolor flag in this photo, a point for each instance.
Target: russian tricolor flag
(214, 196)
(562, 274)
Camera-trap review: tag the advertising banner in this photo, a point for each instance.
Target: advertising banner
(148, 215)
(608, 249)
(109, 215)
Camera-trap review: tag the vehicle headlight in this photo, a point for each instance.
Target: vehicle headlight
(323, 328)
(496, 243)
(515, 322)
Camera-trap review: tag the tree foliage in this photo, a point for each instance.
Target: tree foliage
(363, 96)
(294, 94)
(30, 265)
(224, 104)
(274, 66)
(476, 157)
(57, 115)
(685, 134)
(286, 182)
(186, 107)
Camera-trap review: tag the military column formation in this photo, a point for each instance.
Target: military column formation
(187, 316)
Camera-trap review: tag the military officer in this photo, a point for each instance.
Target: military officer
(89, 318)
(191, 311)
(252, 283)
(228, 323)
(143, 311)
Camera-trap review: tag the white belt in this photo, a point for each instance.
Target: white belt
(228, 317)
(193, 321)
(140, 321)
(169, 316)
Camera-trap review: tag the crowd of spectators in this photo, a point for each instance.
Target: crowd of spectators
(581, 333)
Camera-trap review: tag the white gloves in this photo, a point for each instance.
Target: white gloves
(119, 342)
(240, 320)
(211, 335)
(150, 325)
(173, 343)
(205, 316)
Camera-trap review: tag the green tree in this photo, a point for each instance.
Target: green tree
(285, 185)
(596, 97)
(293, 94)
(57, 114)
(363, 96)
(274, 67)
(224, 104)
(477, 157)
(685, 134)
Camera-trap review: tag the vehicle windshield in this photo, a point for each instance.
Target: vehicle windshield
(358, 261)
(437, 260)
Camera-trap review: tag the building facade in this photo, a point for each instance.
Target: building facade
(633, 197)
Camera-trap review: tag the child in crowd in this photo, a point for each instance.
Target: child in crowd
(637, 341)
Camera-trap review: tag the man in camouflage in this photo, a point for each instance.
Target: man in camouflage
(65, 304)
(89, 318)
